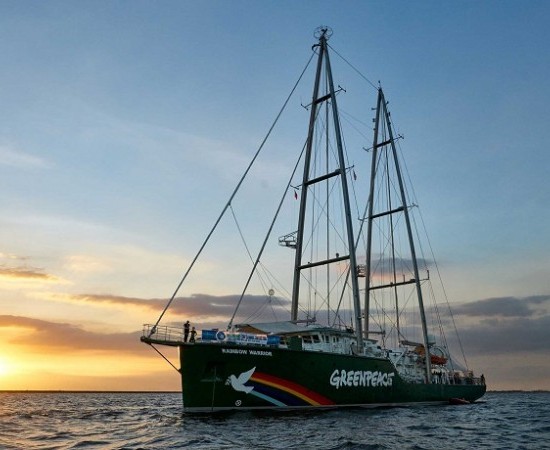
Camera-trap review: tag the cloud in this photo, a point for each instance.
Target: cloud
(63, 337)
(383, 266)
(197, 305)
(26, 273)
(23, 271)
(505, 325)
(20, 160)
(519, 336)
(86, 264)
(504, 307)
(12, 256)
(116, 300)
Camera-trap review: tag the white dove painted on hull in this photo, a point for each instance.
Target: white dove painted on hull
(238, 383)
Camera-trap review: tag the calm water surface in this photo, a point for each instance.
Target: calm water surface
(155, 421)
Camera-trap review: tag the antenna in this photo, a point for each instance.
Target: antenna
(322, 31)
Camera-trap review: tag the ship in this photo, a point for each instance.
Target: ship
(358, 330)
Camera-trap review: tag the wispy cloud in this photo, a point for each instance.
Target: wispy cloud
(21, 160)
(26, 273)
(10, 256)
(87, 264)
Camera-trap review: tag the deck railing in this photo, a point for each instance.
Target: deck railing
(173, 335)
(163, 333)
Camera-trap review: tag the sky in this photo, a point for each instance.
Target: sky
(124, 126)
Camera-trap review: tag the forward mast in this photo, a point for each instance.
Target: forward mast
(323, 67)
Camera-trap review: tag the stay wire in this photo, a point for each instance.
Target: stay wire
(353, 67)
(431, 250)
(264, 285)
(260, 253)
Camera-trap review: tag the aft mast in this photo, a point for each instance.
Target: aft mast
(383, 120)
(324, 33)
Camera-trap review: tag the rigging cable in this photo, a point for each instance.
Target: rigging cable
(354, 68)
(234, 193)
(267, 273)
(262, 282)
(164, 357)
(288, 186)
(444, 291)
(445, 296)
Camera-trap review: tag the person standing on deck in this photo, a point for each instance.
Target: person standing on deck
(186, 331)
(193, 334)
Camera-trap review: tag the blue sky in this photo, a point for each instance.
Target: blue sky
(124, 125)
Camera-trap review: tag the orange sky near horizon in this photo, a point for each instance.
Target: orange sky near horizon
(49, 355)
(23, 367)
(91, 341)
(30, 369)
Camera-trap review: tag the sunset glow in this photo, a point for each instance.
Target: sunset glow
(4, 367)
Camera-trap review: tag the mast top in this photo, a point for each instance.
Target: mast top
(323, 32)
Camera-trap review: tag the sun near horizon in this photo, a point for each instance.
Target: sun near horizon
(40, 355)
(5, 368)
(87, 371)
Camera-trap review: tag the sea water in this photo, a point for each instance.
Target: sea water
(500, 420)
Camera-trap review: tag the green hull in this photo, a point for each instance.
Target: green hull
(217, 377)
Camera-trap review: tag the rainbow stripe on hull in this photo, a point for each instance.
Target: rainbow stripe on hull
(281, 392)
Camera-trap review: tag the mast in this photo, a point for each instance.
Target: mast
(305, 181)
(324, 34)
(370, 216)
(382, 114)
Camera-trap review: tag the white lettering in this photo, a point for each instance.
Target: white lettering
(345, 379)
(368, 376)
(335, 379)
(360, 378)
(242, 351)
(260, 353)
(237, 351)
